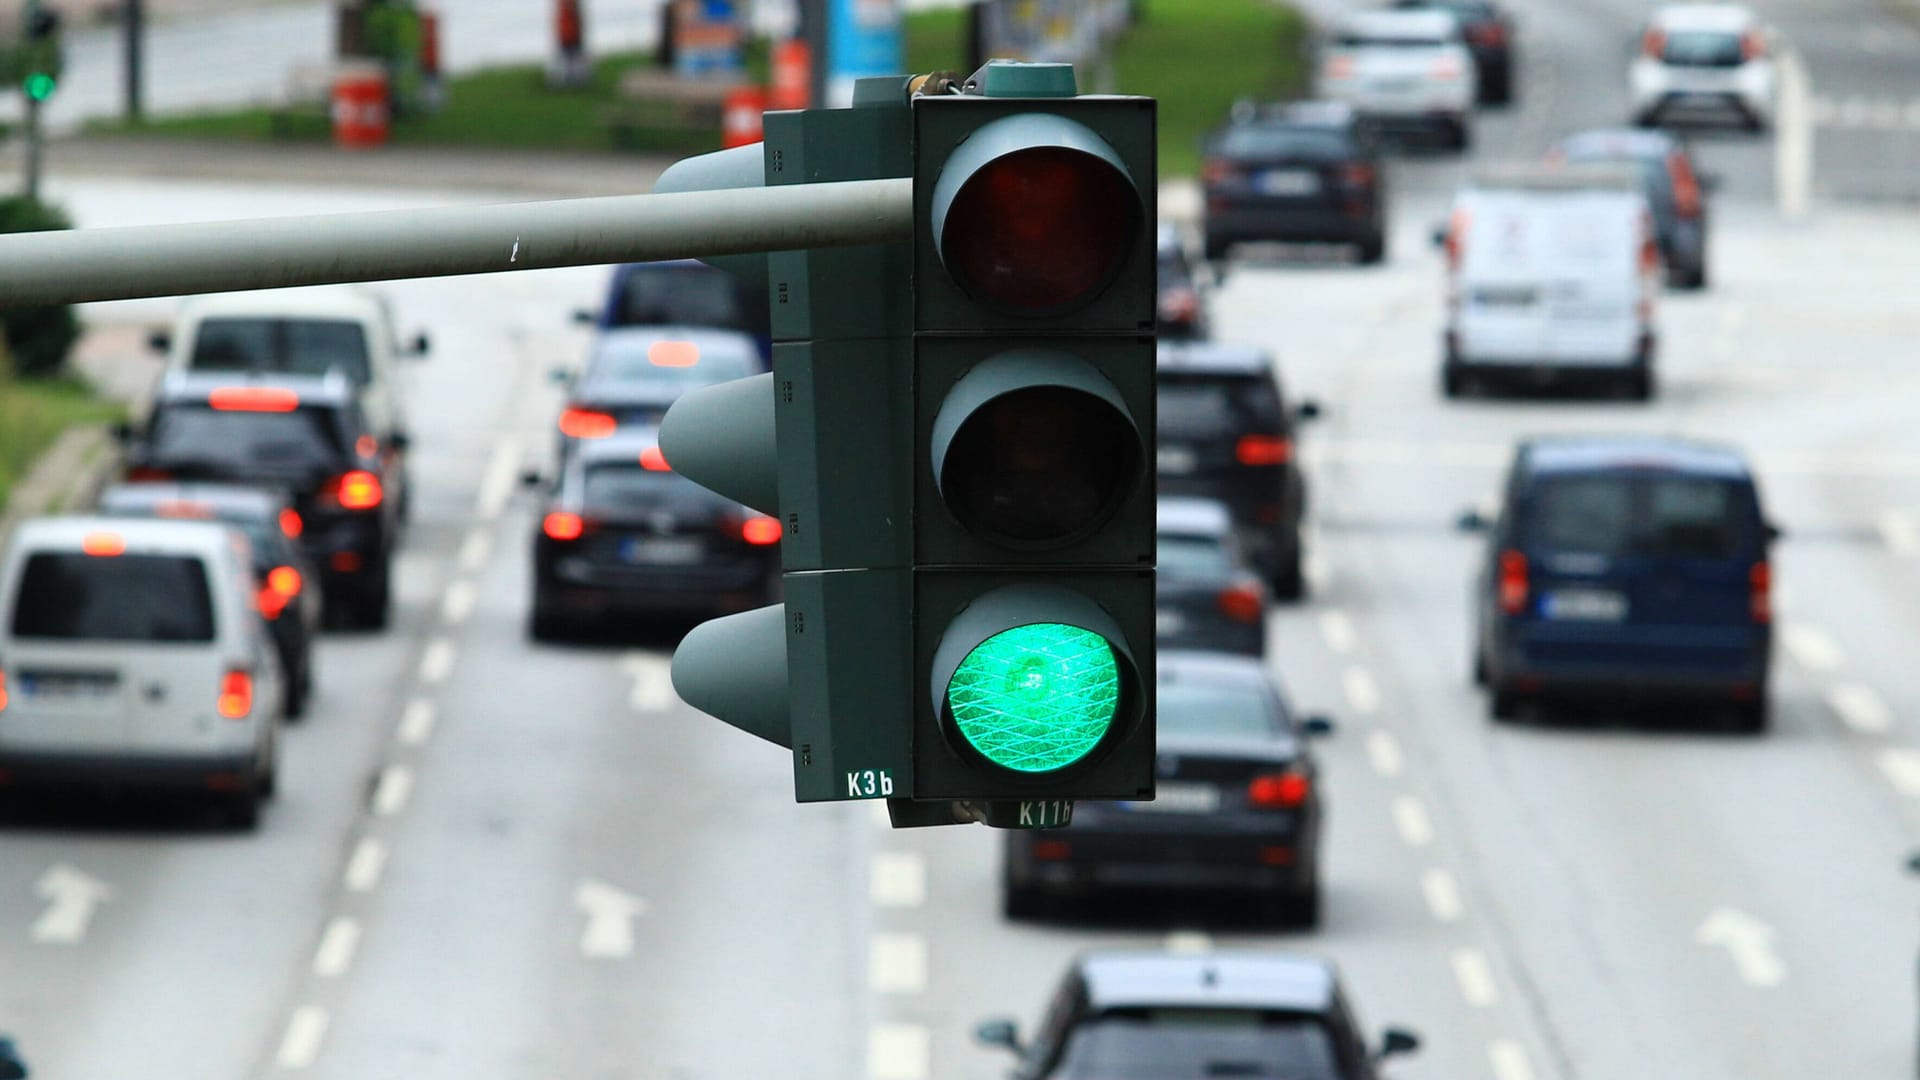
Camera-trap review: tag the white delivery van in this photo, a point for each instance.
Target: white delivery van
(131, 654)
(1551, 274)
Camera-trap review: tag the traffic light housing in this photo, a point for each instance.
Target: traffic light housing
(36, 60)
(961, 456)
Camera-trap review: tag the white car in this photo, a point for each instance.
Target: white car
(1704, 63)
(132, 654)
(1403, 71)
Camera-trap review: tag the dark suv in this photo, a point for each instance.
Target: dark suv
(1225, 432)
(1630, 568)
(1300, 173)
(1676, 190)
(305, 435)
(684, 292)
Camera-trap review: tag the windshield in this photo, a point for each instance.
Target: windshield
(1305, 144)
(1193, 708)
(1703, 48)
(301, 439)
(691, 296)
(1216, 407)
(1174, 1044)
(117, 598)
(1621, 514)
(1192, 558)
(681, 363)
(295, 346)
(614, 487)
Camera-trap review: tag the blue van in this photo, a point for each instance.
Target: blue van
(684, 292)
(1627, 568)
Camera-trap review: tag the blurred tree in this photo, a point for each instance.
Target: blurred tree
(38, 339)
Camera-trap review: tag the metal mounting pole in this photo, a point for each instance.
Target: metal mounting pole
(30, 182)
(269, 253)
(133, 18)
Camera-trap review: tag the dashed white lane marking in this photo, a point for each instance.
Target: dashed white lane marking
(364, 865)
(899, 1052)
(337, 944)
(1902, 769)
(391, 791)
(1315, 570)
(899, 879)
(1900, 532)
(1337, 629)
(1383, 752)
(437, 661)
(497, 483)
(652, 682)
(416, 723)
(458, 603)
(1860, 708)
(1362, 694)
(1811, 647)
(1443, 895)
(1475, 976)
(1749, 944)
(610, 911)
(1189, 941)
(300, 1044)
(1509, 1060)
(897, 963)
(1411, 819)
(474, 549)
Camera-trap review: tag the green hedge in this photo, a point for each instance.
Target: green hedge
(37, 339)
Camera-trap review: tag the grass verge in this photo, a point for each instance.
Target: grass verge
(33, 413)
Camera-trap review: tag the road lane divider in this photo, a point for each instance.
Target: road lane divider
(1475, 976)
(1383, 753)
(1416, 829)
(338, 943)
(1811, 648)
(1900, 531)
(437, 662)
(897, 962)
(1902, 769)
(496, 484)
(458, 602)
(416, 722)
(369, 858)
(899, 1051)
(1362, 695)
(1509, 1060)
(300, 1042)
(475, 548)
(391, 790)
(652, 682)
(1442, 893)
(1337, 629)
(1793, 138)
(898, 879)
(1860, 708)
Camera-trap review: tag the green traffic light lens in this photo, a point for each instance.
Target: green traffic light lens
(39, 86)
(1036, 698)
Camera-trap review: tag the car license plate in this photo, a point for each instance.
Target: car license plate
(1176, 460)
(1288, 182)
(668, 551)
(1505, 297)
(1168, 623)
(1173, 797)
(1584, 605)
(69, 685)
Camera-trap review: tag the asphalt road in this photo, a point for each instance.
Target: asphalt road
(496, 859)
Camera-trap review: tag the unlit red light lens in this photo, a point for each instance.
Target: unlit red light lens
(1036, 698)
(1042, 465)
(1040, 230)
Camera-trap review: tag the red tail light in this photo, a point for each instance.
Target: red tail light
(1263, 450)
(1686, 186)
(1358, 174)
(1446, 68)
(760, 531)
(1760, 592)
(269, 602)
(253, 399)
(579, 423)
(652, 460)
(1752, 45)
(560, 525)
(103, 543)
(1487, 34)
(282, 585)
(1280, 791)
(355, 490)
(1242, 603)
(236, 695)
(1652, 44)
(3, 691)
(1215, 170)
(290, 523)
(1180, 305)
(1337, 67)
(1456, 239)
(148, 472)
(1514, 585)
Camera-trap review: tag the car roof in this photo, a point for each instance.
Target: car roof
(1180, 665)
(630, 339)
(236, 500)
(142, 535)
(1619, 142)
(1592, 453)
(330, 301)
(665, 264)
(1416, 23)
(1292, 982)
(1334, 116)
(1575, 176)
(1727, 17)
(624, 445)
(1213, 358)
(333, 388)
(1192, 516)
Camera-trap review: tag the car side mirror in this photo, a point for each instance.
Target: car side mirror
(160, 341)
(1001, 1033)
(1773, 532)
(1711, 182)
(122, 432)
(11, 1067)
(532, 479)
(1439, 236)
(1317, 726)
(1308, 409)
(1396, 1041)
(400, 441)
(559, 376)
(420, 345)
(584, 317)
(1913, 863)
(1471, 520)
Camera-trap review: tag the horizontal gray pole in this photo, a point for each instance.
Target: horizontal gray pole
(270, 253)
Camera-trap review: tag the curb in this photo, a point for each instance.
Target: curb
(68, 475)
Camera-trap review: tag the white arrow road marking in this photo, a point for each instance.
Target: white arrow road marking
(71, 897)
(652, 682)
(1383, 751)
(301, 1042)
(1860, 708)
(610, 913)
(1362, 694)
(1748, 941)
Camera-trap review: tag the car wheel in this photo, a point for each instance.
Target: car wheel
(1505, 704)
(1750, 717)
(373, 604)
(1480, 677)
(1453, 380)
(242, 811)
(1695, 278)
(1215, 250)
(1461, 137)
(1290, 578)
(1373, 249)
(1640, 383)
(546, 626)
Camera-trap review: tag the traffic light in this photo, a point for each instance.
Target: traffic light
(38, 58)
(957, 437)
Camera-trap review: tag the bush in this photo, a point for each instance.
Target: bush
(37, 339)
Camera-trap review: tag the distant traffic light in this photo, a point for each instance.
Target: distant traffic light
(38, 60)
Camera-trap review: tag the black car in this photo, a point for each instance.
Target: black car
(1204, 594)
(273, 526)
(684, 292)
(1182, 305)
(1489, 34)
(1676, 190)
(1627, 568)
(624, 535)
(1300, 173)
(1228, 1013)
(1236, 805)
(632, 375)
(1225, 432)
(305, 435)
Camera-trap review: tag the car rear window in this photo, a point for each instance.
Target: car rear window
(1217, 407)
(305, 438)
(295, 346)
(679, 363)
(117, 598)
(1619, 514)
(614, 487)
(1194, 708)
(1389, 41)
(1288, 143)
(1169, 1043)
(1189, 558)
(692, 296)
(1703, 48)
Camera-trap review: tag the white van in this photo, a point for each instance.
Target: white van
(300, 332)
(1551, 273)
(1402, 71)
(131, 653)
